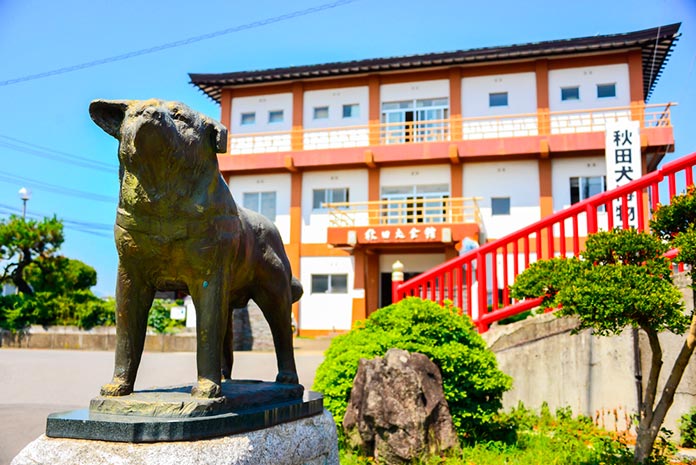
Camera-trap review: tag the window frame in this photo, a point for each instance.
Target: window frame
(576, 98)
(492, 104)
(322, 108)
(328, 198)
(579, 187)
(272, 113)
(331, 288)
(351, 115)
(606, 85)
(259, 203)
(506, 211)
(252, 114)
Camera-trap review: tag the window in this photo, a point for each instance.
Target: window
(584, 187)
(570, 93)
(320, 196)
(500, 206)
(606, 90)
(408, 120)
(275, 116)
(248, 118)
(329, 284)
(321, 112)
(414, 204)
(261, 202)
(351, 110)
(498, 99)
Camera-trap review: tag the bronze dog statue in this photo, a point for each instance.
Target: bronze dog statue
(178, 228)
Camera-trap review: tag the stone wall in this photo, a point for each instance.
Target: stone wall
(251, 332)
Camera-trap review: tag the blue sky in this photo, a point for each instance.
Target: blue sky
(41, 118)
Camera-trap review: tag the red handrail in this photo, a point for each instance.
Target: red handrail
(483, 275)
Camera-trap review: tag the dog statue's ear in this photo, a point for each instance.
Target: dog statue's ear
(109, 114)
(219, 135)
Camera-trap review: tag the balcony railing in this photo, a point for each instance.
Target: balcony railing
(450, 129)
(405, 211)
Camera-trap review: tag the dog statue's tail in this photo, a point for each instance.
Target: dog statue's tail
(296, 289)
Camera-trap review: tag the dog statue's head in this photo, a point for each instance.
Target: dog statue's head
(159, 136)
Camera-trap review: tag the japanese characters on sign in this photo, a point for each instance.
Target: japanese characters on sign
(624, 164)
(408, 233)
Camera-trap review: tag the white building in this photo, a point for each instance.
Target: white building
(366, 162)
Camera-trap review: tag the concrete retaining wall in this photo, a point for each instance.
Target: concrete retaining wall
(593, 375)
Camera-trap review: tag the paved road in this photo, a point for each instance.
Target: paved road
(34, 383)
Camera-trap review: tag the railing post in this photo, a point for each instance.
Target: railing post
(397, 279)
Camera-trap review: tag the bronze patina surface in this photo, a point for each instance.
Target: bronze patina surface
(178, 228)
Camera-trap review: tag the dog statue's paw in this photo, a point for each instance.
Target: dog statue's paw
(287, 377)
(116, 389)
(206, 389)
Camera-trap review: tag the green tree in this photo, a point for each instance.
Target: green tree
(59, 274)
(22, 242)
(622, 279)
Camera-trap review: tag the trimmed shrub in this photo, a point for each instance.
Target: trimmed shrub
(472, 382)
(687, 428)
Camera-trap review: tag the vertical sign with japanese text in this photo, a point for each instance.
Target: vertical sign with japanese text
(623, 160)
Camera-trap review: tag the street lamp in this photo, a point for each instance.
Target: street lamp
(25, 195)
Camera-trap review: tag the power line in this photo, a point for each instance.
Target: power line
(95, 229)
(72, 161)
(178, 43)
(34, 184)
(77, 158)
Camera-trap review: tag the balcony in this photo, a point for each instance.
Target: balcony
(404, 222)
(451, 129)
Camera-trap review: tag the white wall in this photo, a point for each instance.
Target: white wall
(587, 78)
(414, 90)
(415, 175)
(522, 99)
(518, 180)
(315, 222)
(326, 311)
(278, 183)
(261, 106)
(521, 89)
(335, 99)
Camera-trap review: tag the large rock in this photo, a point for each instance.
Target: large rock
(397, 410)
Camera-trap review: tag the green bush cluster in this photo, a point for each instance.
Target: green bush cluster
(542, 437)
(687, 428)
(473, 384)
(78, 308)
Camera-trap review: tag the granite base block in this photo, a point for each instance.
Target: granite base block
(308, 441)
(90, 424)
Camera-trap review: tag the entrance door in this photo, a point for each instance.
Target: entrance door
(385, 286)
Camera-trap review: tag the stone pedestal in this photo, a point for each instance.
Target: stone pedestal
(307, 441)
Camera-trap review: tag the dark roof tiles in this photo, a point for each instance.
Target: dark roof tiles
(655, 44)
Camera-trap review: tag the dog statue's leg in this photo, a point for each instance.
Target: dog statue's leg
(276, 305)
(212, 309)
(133, 302)
(228, 347)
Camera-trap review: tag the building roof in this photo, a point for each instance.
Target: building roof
(656, 45)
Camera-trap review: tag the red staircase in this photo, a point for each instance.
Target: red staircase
(478, 281)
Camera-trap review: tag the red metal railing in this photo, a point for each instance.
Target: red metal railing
(478, 281)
